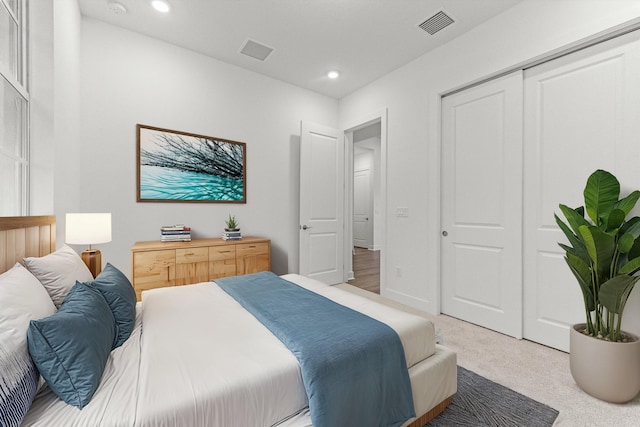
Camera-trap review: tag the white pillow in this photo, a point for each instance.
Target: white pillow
(22, 299)
(59, 271)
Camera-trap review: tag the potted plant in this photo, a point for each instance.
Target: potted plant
(603, 254)
(231, 224)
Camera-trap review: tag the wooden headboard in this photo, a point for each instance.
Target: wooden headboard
(25, 236)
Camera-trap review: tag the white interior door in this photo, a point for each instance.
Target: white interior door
(482, 204)
(362, 204)
(321, 203)
(582, 113)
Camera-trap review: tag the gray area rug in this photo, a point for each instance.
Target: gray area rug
(480, 402)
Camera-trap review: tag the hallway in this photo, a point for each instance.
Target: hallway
(366, 269)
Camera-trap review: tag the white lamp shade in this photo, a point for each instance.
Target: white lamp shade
(87, 228)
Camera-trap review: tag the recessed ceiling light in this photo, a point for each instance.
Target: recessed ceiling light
(333, 74)
(160, 6)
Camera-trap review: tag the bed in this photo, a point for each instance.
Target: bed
(195, 356)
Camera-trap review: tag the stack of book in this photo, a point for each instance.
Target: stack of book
(232, 235)
(175, 233)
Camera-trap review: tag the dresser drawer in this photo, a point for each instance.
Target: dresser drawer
(189, 255)
(192, 265)
(252, 258)
(153, 269)
(222, 261)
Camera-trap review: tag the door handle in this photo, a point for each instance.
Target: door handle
(305, 227)
(445, 234)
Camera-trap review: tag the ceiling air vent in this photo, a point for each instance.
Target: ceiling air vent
(256, 50)
(436, 23)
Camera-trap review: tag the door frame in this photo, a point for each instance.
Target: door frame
(348, 129)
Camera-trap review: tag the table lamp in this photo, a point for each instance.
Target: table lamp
(89, 229)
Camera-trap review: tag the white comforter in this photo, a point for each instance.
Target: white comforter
(222, 368)
(202, 360)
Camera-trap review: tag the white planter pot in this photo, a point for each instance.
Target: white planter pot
(609, 371)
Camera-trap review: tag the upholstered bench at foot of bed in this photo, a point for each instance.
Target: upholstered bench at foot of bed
(434, 381)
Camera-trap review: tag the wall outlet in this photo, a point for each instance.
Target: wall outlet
(402, 212)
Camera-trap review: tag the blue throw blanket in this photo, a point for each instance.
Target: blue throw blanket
(353, 367)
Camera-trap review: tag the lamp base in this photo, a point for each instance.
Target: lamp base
(93, 259)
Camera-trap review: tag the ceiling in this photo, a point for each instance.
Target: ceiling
(363, 39)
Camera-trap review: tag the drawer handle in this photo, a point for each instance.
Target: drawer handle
(224, 252)
(188, 254)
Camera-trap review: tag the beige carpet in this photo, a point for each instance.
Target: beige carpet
(536, 371)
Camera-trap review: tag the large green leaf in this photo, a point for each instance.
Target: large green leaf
(615, 219)
(574, 218)
(630, 267)
(628, 203)
(632, 227)
(578, 247)
(582, 272)
(600, 195)
(600, 247)
(635, 250)
(625, 243)
(615, 291)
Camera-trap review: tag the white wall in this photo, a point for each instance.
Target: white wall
(412, 95)
(66, 156)
(127, 79)
(41, 108)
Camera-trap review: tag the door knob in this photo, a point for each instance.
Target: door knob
(445, 234)
(305, 227)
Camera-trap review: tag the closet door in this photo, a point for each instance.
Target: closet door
(581, 114)
(482, 204)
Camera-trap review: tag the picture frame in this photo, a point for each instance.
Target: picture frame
(183, 167)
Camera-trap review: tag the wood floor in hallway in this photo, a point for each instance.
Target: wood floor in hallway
(366, 269)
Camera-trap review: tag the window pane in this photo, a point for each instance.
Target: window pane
(10, 176)
(13, 116)
(9, 43)
(14, 155)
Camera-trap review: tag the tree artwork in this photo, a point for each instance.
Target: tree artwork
(182, 167)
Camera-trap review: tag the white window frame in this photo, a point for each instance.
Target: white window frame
(20, 84)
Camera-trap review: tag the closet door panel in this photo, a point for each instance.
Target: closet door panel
(580, 115)
(481, 205)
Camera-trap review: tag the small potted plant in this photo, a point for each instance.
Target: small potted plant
(231, 224)
(604, 254)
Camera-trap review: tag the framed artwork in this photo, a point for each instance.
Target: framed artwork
(175, 166)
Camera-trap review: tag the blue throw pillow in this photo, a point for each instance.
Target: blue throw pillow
(71, 347)
(119, 294)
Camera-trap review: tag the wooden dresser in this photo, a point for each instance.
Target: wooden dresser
(158, 264)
